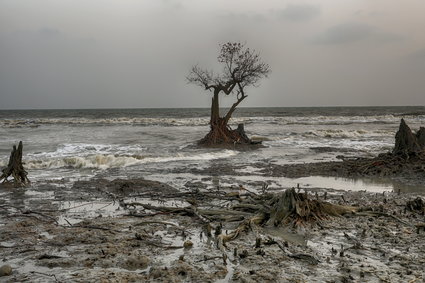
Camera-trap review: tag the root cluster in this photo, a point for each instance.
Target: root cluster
(221, 133)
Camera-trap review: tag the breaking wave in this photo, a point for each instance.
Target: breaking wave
(105, 161)
(335, 134)
(344, 134)
(83, 149)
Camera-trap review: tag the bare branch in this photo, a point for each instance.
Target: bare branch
(201, 77)
(241, 65)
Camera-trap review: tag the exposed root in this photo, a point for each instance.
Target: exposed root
(291, 207)
(288, 208)
(221, 133)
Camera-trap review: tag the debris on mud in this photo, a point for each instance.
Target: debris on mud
(193, 235)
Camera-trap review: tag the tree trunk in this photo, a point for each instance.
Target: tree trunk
(220, 132)
(215, 109)
(15, 168)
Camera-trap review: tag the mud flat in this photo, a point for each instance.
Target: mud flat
(138, 230)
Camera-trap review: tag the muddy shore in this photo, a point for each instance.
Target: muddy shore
(102, 230)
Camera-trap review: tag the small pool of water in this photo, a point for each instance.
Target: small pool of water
(76, 211)
(352, 184)
(254, 182)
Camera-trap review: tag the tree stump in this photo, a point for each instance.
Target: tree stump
(241, 131)
(406, 143)
(420, 135)
(15, 168)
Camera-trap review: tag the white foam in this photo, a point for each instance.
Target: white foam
(340, 133)
(78, 149)
(105, 161)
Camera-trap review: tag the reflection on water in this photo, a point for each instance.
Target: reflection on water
(348, 184)
(341, 184)
(254, 182)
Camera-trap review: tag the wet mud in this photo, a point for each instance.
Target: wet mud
(109, 231)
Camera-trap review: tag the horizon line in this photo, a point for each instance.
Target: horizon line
(241, 107)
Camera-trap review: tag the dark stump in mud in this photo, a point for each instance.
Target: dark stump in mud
(406, 143)
(420, 135)
(406, 161)
(15, 168)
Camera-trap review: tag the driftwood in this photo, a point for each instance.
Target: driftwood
(15, 168)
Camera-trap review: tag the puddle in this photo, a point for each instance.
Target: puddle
(170, 203)
(74, 211)
(332, 183)
(375, 185)
(337, 184)
(199, 248)
(7, 244)
(38, 194)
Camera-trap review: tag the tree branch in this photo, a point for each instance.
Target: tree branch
(233, 108)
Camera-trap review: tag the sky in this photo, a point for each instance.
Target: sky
(137, 53)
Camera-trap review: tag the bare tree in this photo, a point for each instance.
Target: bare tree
(242, 67)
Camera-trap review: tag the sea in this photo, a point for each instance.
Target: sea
(78, 144)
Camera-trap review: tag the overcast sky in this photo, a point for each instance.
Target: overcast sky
(137, 53)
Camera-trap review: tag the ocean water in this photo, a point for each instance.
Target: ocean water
(152, 143)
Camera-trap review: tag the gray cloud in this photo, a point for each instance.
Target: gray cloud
(49, 32)
(416, 59)
(364, 13)
(177, 5)
(137, 53)
(243, 17)
(300, 12)
(347, 33)
(418, 55)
